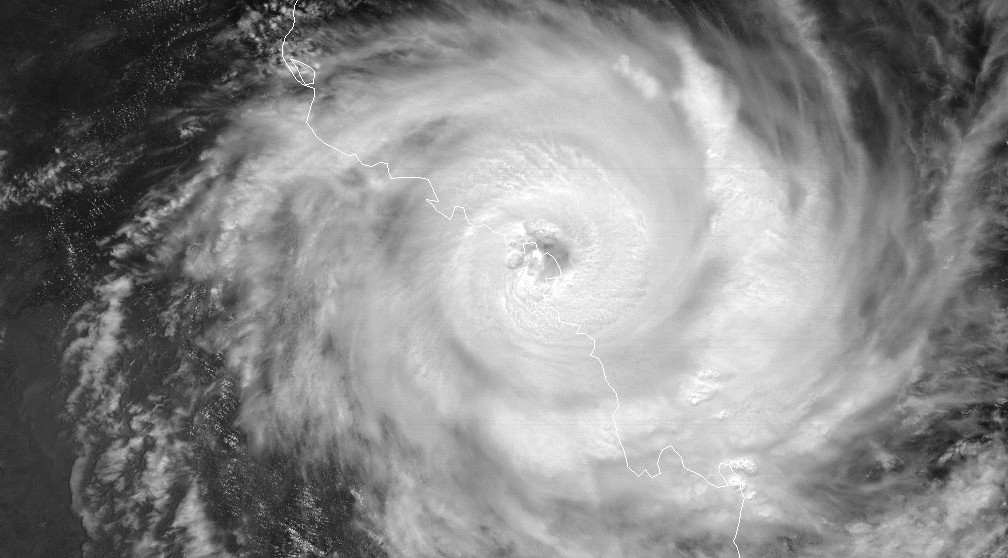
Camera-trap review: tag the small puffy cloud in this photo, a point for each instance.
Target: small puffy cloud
(643, 81)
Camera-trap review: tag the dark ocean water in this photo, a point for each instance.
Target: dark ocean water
(202, 343)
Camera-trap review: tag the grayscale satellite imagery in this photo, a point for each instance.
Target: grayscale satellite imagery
(504, 278)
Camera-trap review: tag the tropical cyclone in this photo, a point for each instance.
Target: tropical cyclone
(698, 264)
(586, 171)
(623, 223)
(550, 186)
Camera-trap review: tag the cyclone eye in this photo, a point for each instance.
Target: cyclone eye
(541, 252)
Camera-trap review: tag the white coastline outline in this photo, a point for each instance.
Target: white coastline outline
(294, 66)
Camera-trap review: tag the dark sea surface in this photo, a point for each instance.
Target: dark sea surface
(202, 339)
